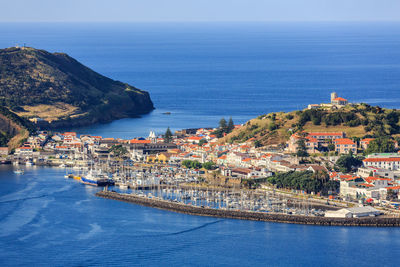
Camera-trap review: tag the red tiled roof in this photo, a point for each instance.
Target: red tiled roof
(136, 141)
(394, 187)
(340, 99)
(371, 179)
(343, 141)
(311, 139)
(367, 140)
(323, 134)
(381, 159)
(195, 138)
(367, 185)
(333, 174)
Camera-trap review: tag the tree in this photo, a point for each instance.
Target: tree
(222, 124)
(305, 180)
(191, 164)
(202, 142)
(196, 165)
(301, 148)
(347, 162)
(391, 194)
(331, 146)
(168, 136)
(187, 163)
(209, 165)
(231, 125)
(118, 150)
(381, 145)
(257, 144)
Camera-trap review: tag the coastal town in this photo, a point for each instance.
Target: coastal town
(193, 166)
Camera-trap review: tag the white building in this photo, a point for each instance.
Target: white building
(355, 212)
(389, 163)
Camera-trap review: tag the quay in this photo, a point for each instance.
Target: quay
(380, 221)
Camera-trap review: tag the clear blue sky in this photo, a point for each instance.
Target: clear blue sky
(199, 10)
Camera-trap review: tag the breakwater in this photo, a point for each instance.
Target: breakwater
(249, 215)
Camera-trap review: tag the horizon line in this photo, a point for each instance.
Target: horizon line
(194, 21)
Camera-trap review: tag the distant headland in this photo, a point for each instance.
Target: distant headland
(54, 90)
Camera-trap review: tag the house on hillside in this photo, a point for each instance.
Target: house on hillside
(345, 146)
(364, 143)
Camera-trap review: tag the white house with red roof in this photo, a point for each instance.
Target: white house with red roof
(368, 187)
(195, 139)
(338, 101)
(389, 163)
(313, 140)
(364, 143)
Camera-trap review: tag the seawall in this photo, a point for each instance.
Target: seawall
(250, 215)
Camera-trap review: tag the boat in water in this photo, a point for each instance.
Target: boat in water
(95, 178)
(19, 171)
(29, 163)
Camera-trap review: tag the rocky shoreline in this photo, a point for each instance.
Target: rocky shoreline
(249, 215)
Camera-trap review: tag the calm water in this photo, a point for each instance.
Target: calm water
(201, 72)
(47, 219)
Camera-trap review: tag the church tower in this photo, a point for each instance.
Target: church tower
(152, 137)
(333, 96)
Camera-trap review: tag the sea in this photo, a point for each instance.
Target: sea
(199, 72)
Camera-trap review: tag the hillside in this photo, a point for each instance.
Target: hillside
(13, 129)
(356, 120)
(57, 88)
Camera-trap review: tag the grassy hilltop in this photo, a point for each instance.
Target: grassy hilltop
(57, 88)
(356, 120)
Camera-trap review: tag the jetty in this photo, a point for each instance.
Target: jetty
(159, 203)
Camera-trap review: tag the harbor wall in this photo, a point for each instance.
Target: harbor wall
(250, 215)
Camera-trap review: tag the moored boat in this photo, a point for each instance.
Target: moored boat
(95, 178)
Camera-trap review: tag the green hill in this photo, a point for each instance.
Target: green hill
(13, 129)
(59, 89)
(356, 120)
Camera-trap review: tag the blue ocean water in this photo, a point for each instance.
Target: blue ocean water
(201, 72)
(48, 220)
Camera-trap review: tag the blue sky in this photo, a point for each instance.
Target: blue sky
(199, 10)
